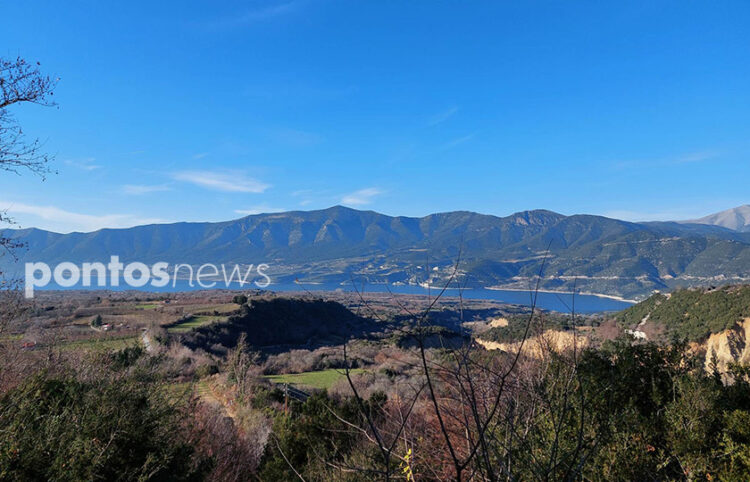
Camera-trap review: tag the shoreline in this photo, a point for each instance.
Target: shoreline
(500, 288)
(560, 292)
(321, 286)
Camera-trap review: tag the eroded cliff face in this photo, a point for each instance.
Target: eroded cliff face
(538, 346)
(719, 351)
(729, 346)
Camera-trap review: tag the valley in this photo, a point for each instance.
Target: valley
(590, 254)
(320, 241)
(259, 362)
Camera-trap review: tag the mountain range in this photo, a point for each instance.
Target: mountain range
(591, 253)
(737, 219)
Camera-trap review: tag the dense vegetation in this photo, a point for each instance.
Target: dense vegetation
(658, 416)
(692, 314)
(282, 321)
(64, 425)
(647, 413)
(516, 327)
(416, 407)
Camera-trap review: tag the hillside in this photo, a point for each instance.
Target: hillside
(592, 253)
(691, 314)
(281, 321)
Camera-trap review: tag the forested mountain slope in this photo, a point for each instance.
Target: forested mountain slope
(594, 253)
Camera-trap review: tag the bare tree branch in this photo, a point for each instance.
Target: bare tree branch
(22, 82)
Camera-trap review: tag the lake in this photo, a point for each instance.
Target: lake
(584, 303)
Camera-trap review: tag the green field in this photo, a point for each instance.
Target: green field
(221, 309)
(110, 343)
(322, 379)
(147, 306)
(194, 322)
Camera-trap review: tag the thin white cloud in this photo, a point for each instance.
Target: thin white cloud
(640, 216)
(200, 155)
(60, 220)
(258, 209)
(218, 181)
(295, 137)
(626, 165)
(689, 158)
(140, 189)
(458, 141)
(441, 117)
(252, 16)
(86, 164)
(696, 157)
(310, 196)
(361, 197)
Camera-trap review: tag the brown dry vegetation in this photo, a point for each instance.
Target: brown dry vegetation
(440, 412)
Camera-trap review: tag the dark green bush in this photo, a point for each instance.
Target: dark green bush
(61, 428)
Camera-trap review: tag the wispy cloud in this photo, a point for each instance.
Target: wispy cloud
(86, 164)
(57, 219)
(441, 117)
(254, 15)
(458, 141)
(296, 91)
(689, 158)
(295, 137)
(140, 189)
(222, 181)
(302, 192)
(696, 157)
(662, 215)
(361, 197)
(200, 155)
(259, 209)
(310, 196)
(626, 165)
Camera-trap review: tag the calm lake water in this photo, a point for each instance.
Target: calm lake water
(549, 301)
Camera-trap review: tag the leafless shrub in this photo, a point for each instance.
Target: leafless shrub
(13, 310)
(21, 82)
(235, 446)
(466, 414)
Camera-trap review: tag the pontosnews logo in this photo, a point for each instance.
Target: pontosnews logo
(138, 275)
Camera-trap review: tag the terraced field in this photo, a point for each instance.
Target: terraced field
(194, 322)
(104, 343)
(322, 380)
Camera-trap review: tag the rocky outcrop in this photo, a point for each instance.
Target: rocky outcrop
(729, 346)
(538, 346)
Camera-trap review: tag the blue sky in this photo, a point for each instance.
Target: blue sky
(206, 111)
